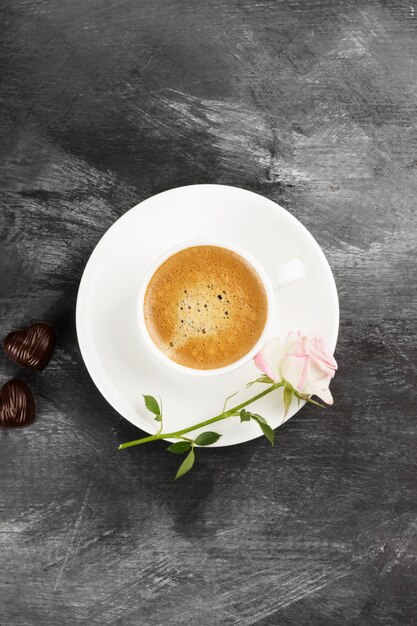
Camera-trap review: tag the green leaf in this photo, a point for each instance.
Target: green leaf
(262, 379)
(307, 398)
(207, 438)
(244, 416)
(288, 391)
(266, 429)
(179, 447)
(186, 465)
(322, 406)
(258, 418)
(152, 405)
(268, 432)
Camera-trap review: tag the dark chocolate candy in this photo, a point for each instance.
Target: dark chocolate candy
(31, 347)
(17, 404)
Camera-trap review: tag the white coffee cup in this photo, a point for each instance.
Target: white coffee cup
(272, 280)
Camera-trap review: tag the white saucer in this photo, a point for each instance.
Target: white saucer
(111, 345)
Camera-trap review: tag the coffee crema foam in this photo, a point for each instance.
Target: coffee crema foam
(205, 307)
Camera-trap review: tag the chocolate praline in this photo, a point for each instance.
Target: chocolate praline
(17, 404)
(31, 347)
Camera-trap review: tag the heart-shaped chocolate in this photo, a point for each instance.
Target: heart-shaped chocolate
(31, 347)
(17, 404)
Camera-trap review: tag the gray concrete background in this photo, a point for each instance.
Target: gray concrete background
(312, 104)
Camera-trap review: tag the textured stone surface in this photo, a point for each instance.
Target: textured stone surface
(312, 104)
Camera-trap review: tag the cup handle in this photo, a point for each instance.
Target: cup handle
(287, 273)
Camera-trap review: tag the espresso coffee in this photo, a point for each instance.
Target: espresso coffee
(205, 307)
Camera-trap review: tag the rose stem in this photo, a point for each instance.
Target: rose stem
(177, 434)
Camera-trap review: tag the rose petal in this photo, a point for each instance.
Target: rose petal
(292, 368)
(304, 361)
(325, 395)
(326, 354)
(304, 374)
(320, 388)
(267, 360)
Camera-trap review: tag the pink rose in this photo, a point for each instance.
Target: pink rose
(304, 361)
